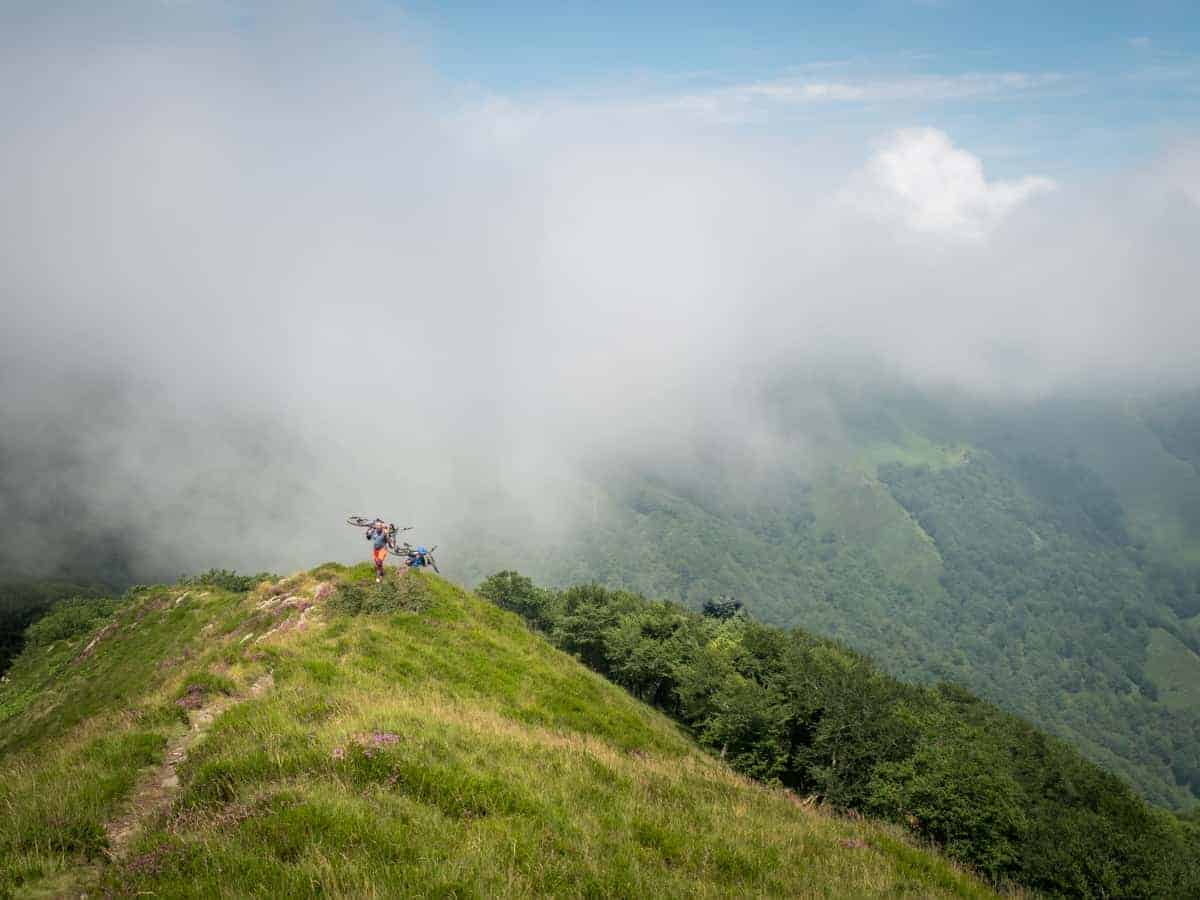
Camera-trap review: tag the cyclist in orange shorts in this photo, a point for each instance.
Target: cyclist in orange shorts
(380, 536)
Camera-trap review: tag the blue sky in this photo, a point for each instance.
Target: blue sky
(1064, 88)
(538, 45)
(1091, 85)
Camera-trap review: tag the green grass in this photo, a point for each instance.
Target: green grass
(911, 448)
(1174, 669)
(57, 802)
(55, 686)
(1160, 492)
(859, 510)
(437, 749)
(863, 509)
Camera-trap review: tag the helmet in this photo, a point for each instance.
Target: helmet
(422, 550)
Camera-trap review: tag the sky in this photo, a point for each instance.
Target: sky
(285, 262)
(1071, 85)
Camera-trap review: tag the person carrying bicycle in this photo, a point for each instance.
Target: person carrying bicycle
(380, 537)
(418, 558)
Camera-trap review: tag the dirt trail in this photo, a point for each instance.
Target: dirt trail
(155, 790)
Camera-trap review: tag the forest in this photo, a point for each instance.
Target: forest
(1051, 597)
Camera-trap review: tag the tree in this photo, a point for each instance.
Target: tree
(513, 591)
(722, 608)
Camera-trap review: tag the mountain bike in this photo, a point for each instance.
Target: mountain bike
(392, 530)
(409, 551)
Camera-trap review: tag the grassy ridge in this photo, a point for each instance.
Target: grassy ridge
(438, 748)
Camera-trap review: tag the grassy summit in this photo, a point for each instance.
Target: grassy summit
(324, 736)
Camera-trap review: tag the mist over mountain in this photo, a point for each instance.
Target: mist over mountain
(289, 256)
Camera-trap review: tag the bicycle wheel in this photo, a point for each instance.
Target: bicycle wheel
(360, 521)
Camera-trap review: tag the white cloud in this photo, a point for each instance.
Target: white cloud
(499, 122)
(920, 89)
(741, 101)
(922, 180)
(1183, 171)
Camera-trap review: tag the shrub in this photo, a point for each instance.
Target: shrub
(724, 608)
(329, 571)
(68, 619)
(404, 593)
(204, 683)
(516, 593)
(227, 580)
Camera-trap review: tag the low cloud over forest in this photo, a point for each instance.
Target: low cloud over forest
(257, 276)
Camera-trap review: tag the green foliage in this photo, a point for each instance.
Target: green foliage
(24, 602)
(68, 619)
(960, 788)
(516, 593)
(226, 580)
(1175, 419)
(721, 609)
(56, 684)
(1042, 601)
(587, 616)
(396, 593)
(329, 571)
(786, 707)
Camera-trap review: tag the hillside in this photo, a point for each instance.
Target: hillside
(23, 602)
(321, 736)
(1043, 554)
(806, 712)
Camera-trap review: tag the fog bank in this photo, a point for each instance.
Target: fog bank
(255, 280)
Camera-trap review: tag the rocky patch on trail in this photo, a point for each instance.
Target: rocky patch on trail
(105, 632)
(370, 743)
(172, 661)
(193, 699)
(280, 606)
(281, 603)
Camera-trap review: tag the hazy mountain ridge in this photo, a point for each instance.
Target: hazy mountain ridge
(1040, 553)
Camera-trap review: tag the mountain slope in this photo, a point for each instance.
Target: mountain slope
(409, 739)
(1042, 554)
(23, 602)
